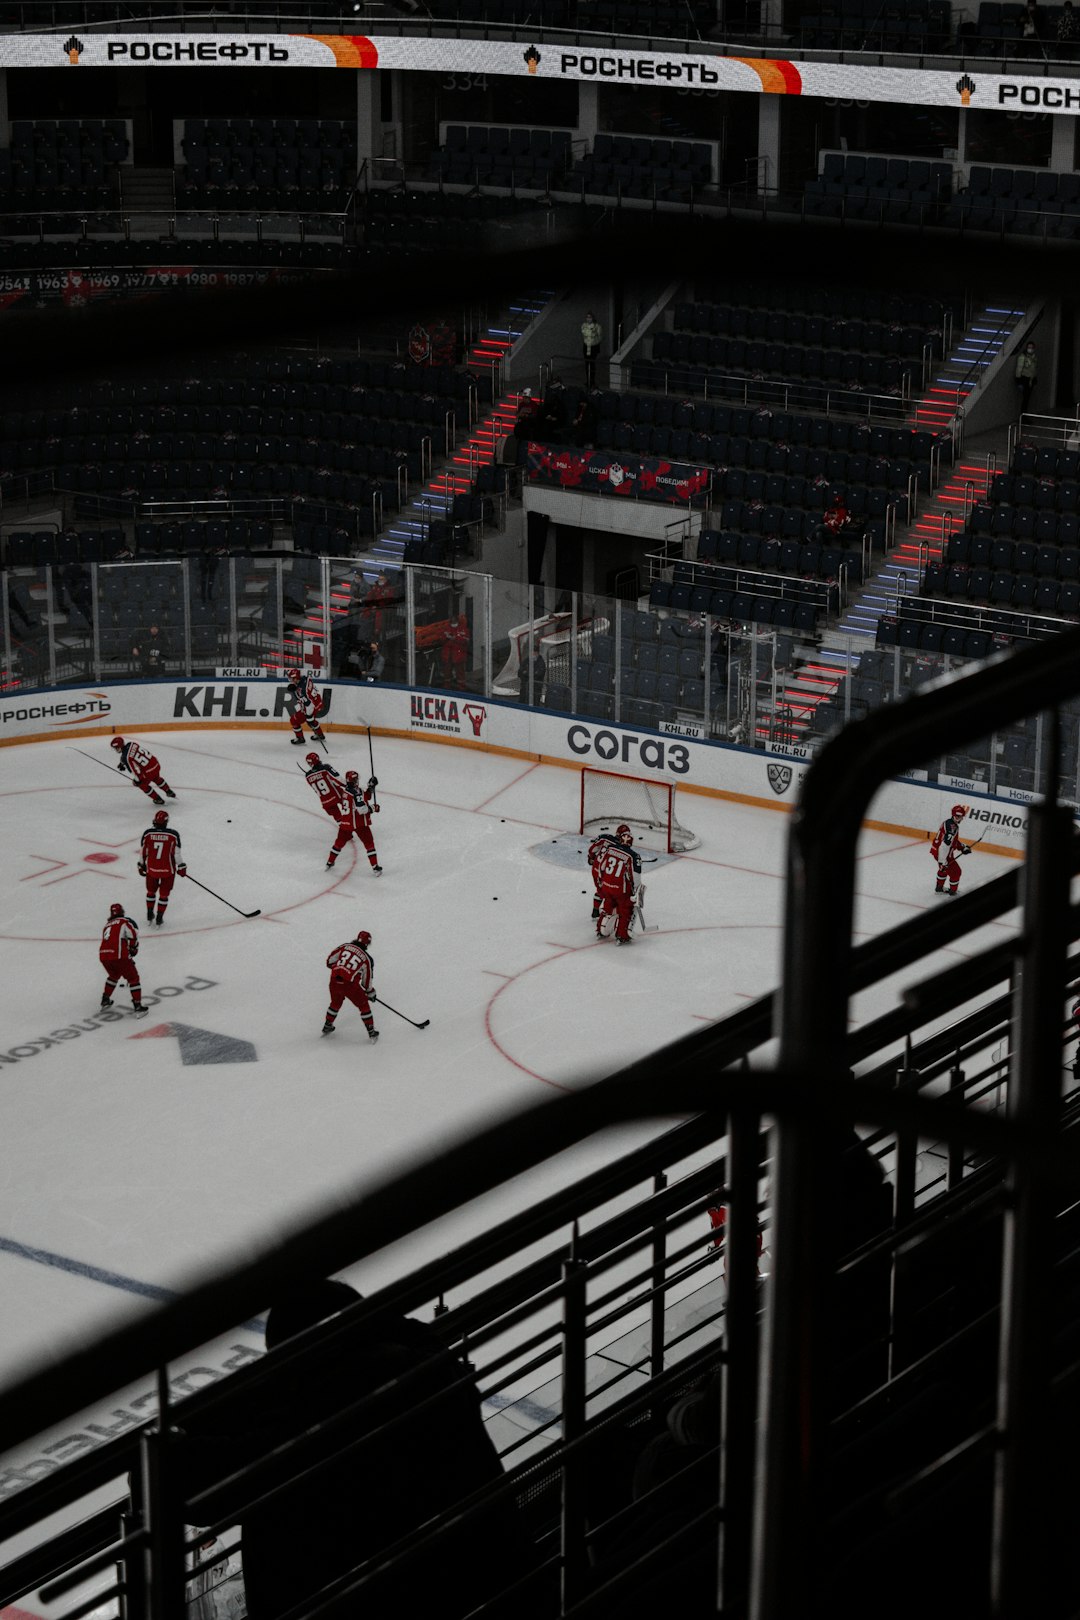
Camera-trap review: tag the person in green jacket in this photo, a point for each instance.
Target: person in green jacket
(591, 334)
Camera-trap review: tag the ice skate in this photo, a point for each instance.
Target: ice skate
(330, 864)
(157, 799)
(626, 941)
(372, 1034)
(297, 742)
(159, 919)
(169, 794)
(137, 1008)
(377, 871)
(106, 1001)
(328, 1029)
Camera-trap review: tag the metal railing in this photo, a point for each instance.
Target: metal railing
(773, 1558)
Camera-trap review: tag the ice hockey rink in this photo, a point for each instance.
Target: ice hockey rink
(140, 1153)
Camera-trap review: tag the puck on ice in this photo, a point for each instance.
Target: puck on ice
(228, 823)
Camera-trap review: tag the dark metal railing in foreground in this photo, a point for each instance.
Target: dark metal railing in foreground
(771, 1504)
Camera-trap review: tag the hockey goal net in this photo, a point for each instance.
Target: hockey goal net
(648, 808)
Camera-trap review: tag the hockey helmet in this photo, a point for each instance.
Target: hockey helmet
(623, 833)
(959, 811)
(312, 758)
(352, 776)
(117, 743)
(292, 674)
(161, 819)
(115, 910)
(363, 939)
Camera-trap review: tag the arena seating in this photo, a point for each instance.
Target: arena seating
(905, 25)
(1021, 201)
(867, 351)
(493, 155)
(998, 30)
(65, 167)
(267, 163)
(865, 185)
(635, 166)
(327, 432)
(431, 222)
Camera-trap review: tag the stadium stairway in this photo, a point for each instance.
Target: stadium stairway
(945, 398)
(459, 473)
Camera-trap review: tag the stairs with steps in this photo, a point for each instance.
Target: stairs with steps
(954, 378)
(148, 198)
(478, 449)
(456, 477)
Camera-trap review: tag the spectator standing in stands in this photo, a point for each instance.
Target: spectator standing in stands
(524, 426)
(376, 601)
(538, 666)
(1027, 369)
(454, 651)
(552, 419)
(209, 558)
(331, 1509)
(583, 427)
(1068, 29)
(591, 335)
(150, 653)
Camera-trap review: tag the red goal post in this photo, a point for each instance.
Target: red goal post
(647, 806)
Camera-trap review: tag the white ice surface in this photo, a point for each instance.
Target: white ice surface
(123, 1167)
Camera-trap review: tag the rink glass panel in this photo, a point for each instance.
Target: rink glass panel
(604, 657)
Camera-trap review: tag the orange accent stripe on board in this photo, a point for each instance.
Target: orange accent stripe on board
(350, 50)
(778, 78)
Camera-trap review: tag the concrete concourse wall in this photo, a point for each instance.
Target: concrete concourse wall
(911, 807)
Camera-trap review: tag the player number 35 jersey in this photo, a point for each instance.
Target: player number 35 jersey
(352, 962)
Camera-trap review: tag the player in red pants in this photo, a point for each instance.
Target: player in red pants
(354, 816)
(619, 870)
(116, 953)
(305, 706)
(946, 848)
(141, 764)
(160, 865)
(352, 969)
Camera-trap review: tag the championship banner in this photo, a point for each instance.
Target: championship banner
(76, 288)
(594, 472)
(960, 86)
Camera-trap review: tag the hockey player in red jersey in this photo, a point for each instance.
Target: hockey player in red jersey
(596, 849)
(305, 704)
(141, 764)
(117, 951)
(322, 778)
(352, 969)
(160, 865)
(946, 848)
(354, 816)
(619, 870)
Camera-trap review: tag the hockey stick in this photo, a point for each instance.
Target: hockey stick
(371, 762)
(380, 1003)
(105, 767)
(222, 898)
(102, 763)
